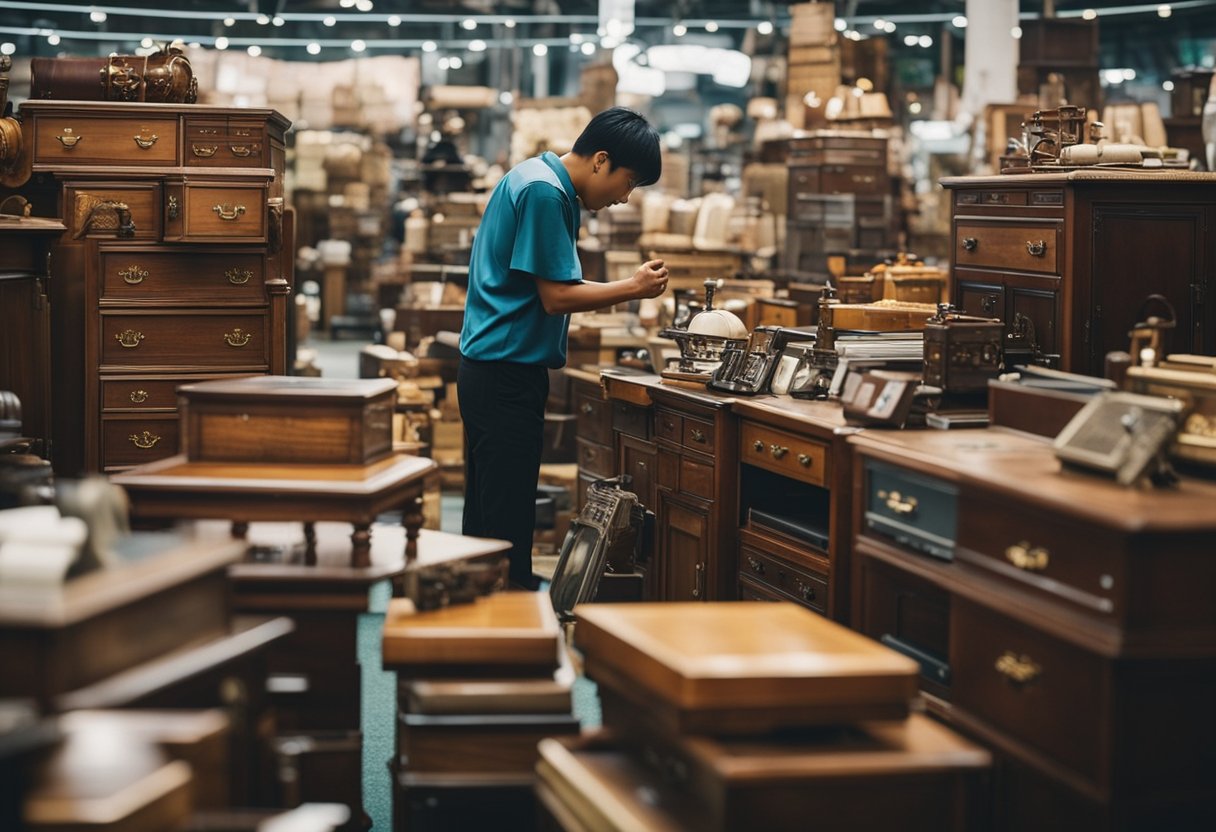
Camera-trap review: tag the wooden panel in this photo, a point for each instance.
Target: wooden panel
(784, 453)
(631, 419)
(696, 479)
(979, 298)
(1042, 309)
(669, 470)
(698, 435)
(126, 441)
(225, 211)
(594, 458)
(639, 461)
(1028, 248)
(799, 585)
(668, 425)
(188, 339)
(685, 550)
(200, 277)
(82, 140)
(594, 414)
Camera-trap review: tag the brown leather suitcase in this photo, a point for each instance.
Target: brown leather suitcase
(164, 77)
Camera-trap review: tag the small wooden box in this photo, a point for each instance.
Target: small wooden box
(962, 355)
(737, 667)
(272, 419)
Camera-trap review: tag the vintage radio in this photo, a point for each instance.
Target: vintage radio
(294, 419)
(163, 77)
(962, 352)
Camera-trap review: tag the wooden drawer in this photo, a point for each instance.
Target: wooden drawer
(854, 179)
(1040, 691)
(991, 197)
(226, 151)
(638, 461)
(917, 511)
(1027, 248)
(696, 479)
(1081, 563)
(784, 453)
(80, 209)
(184, 277)
(224, 212)
(668, 425)
(137, 441)
(631, 420)
(594, 415)
(189, 339)
(126, 393)
(797, 584)
(594, 458)
(698, 435)
(88, 140)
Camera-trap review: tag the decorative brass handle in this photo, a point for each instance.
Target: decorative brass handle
(236, 338)
(697, 435)
(865, 179)
(204, 151)
(756, 565)
(804, 460)
(68, 139)
(1036, 248)
(897, 503)
(238, 277)
(241, 150)
(970, 243)
(1019, 670)
(138, 396)
(1027, 557)
(133, 275)
(759, 446)
(144, 440)
(174, 208)
(698, 590)
(146, 141)
(586, 408)
(228, 213)
(778, 451)
(129, 338)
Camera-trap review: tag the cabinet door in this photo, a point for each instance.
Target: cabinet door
(1032, 329)
(684, 549)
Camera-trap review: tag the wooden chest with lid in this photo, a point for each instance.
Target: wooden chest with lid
(288, 419)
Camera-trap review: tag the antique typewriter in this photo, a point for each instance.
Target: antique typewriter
(604, 536)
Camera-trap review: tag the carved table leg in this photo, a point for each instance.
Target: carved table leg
(310, 543)
(361, 546)
(412, 520)
(240, 529)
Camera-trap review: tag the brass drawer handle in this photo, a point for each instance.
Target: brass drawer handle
(129, 338)
(138, 396)
(228, 213)
(697, 435)
(174, 208)
(897, 503)
(133, 275)
(204, 151)
(1027, 557)
(586, 408)
(144, 440)
(241, 150)
(68, 139)
(236, 338)
(778, 451)
(970, 243)
(1036, 248)
(758, 446)
(145, 141)
(1019, 670)
(755, 565)
(238, 277)
(804, 460)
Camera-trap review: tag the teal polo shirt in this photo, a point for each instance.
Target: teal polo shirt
(528, 230)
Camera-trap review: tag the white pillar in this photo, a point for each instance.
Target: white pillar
(991, 57)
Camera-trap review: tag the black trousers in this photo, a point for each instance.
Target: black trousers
(503, 408)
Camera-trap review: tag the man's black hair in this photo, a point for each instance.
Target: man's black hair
(629, 141)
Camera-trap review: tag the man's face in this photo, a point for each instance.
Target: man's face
(609, 186)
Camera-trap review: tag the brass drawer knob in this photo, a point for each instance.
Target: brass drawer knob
(778, 451)
(144, 440)
(204, 151)
(1019, 670)
(237, 338)
(145, 140)
(238, 277)
(698, 435)
(1027, 557)
(129, 338)
(1036, 248)
(68, 139)
(228, 213)
(804, 460)
(133, 275)
(758, 446)
(138, 396)
(970, 243)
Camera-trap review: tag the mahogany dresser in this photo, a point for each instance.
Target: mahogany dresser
(174, 267)
(1064, 621)
(1066, 260)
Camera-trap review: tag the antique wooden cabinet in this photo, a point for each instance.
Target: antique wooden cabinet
(174, 267)
(1066, 260)
(1064, 621)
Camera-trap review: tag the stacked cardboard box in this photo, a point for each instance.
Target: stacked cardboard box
(813, 70)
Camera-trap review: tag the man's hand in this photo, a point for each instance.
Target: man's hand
(650, 279)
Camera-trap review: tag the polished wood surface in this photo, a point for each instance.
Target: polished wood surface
(739, 655)
(494, 631)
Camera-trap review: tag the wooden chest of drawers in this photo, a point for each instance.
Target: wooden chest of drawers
(195, 287)
(1066, 260)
